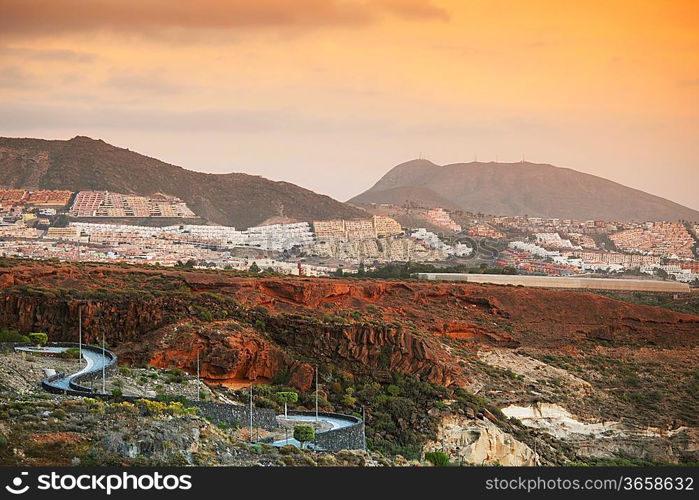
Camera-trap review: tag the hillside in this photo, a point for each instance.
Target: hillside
(234, 199)
(423, 359)
(519, 189)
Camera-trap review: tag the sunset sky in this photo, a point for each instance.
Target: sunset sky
(330, 94)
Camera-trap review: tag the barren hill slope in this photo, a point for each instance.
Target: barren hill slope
(235, 199)
(520, 189)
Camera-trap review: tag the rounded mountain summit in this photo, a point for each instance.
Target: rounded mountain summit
(522, 188)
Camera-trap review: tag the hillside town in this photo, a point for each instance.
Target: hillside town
(95, 226)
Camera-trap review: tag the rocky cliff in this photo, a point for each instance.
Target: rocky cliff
(479, 442)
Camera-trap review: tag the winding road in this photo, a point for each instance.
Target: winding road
(97, 359)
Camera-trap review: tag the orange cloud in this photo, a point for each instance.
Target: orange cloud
(605, 87)
(31, 18)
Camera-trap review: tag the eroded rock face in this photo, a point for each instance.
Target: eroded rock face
(228, 353)
(477, 442)
(387, 326)
(608, 439)
(369, 349)
(463, 310)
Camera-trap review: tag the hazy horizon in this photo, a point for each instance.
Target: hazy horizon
(330, 95)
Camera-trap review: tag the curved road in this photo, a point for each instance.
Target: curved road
(94, 361)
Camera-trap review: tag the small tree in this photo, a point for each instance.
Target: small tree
(38, 338)
(286, 398)
(255, 268)
(304, 433)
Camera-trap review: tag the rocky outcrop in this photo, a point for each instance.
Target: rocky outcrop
(610, 439)
(229, 353)
(479, 442)
(368, 349)
(119, 319)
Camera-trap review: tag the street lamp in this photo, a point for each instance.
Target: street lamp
(80, 334)
(316, 395)
(198, 381)
(104, 367)
(251, 411)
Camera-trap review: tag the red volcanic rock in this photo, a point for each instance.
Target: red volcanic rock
(386, 326)
(303, 377)
(469, 331)
(227, 353)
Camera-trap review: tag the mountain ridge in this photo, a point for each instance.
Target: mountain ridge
(522, 188)
(234, 199)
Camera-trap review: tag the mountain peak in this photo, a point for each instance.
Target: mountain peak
(519, 188)
(84, 163)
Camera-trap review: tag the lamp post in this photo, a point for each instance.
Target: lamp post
(316, 395)
(198, 381)
(251, 411)
(80, 334)
(104, 367)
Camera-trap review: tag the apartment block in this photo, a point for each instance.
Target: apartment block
(49, 198)
(106, 204)
(334, 228)
(440, 217)
(480, 230)
(386, 226)
(666, 239)
(63, 233)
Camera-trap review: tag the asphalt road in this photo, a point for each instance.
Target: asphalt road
(94, 361)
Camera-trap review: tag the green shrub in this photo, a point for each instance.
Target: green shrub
(264, 402)
(289, 449)
(206, 315)
(349, 400)
(393, 390)
(38, 338)
(70, 353)
(438, 458)
(7, 335)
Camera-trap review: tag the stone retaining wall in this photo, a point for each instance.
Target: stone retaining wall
(236, 415)
(351, 437)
